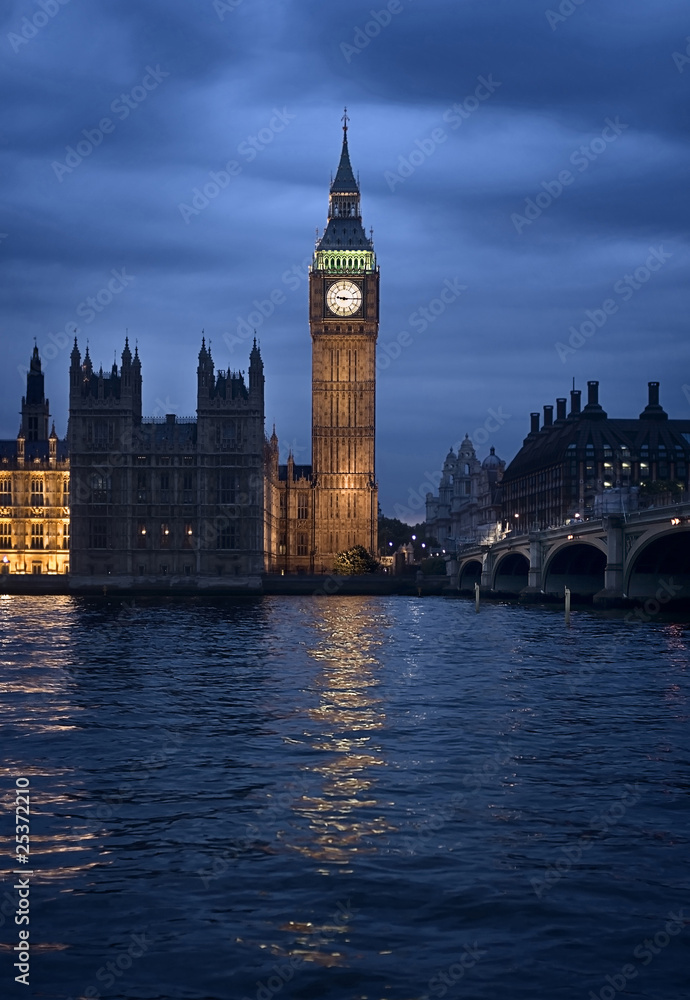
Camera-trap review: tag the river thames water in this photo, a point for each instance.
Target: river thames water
(346, 798)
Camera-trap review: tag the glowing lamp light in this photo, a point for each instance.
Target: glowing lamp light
(423, 545)
(414, 538)
(675, 520)
(189, 531)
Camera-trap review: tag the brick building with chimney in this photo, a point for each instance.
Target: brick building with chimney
(583, 462)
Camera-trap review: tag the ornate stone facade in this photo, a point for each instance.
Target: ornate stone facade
(468, 505)
(204, 501)
(34, 489)
(333, 504)
(164, 500)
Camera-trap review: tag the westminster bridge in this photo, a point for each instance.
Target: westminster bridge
(619, 557)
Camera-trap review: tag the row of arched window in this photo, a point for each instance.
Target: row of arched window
(345, 263)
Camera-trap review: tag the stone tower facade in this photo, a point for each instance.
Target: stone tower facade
(34, 489)
(165, 500)
(344, 322)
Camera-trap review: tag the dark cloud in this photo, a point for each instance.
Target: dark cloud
(231, 68)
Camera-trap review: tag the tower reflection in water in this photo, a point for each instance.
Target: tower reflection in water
(342, 813)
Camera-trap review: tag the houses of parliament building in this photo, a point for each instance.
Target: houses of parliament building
(126, 499)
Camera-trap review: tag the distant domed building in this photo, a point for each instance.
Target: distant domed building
(468, 505)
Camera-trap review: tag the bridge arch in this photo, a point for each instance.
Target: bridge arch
(579, 565)
(511, 574)
(660, 561)
(470, 573)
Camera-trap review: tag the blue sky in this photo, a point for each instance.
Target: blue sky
(531, 156)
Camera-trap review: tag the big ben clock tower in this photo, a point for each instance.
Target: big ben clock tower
(344, 322)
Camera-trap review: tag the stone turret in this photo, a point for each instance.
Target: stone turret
(35, 406)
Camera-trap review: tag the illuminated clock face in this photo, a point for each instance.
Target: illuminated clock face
(344, 298)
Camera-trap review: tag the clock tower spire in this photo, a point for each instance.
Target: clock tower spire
(344, 321)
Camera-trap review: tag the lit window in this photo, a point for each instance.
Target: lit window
(36, 536)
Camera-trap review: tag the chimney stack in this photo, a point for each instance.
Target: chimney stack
(653, 410)
(561, 408)
(575, 395)
(592, 394)
(548, 416)
(534, 417)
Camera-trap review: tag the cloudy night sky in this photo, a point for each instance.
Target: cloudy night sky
(451, 168)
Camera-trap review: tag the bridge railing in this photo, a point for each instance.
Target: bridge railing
(675, 505)
(660, 500)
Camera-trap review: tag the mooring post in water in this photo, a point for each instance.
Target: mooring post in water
(567, 606)
(476, 597)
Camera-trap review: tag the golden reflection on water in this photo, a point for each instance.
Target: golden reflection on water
(342, 814)
(36, 657)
